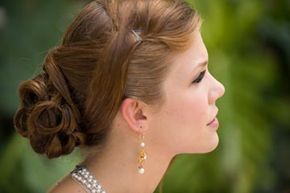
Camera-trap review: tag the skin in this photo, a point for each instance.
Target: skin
(181, 124)
(178, 126)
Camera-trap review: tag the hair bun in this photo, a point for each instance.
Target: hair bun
(49, 117)
(46, 118)
(30, 92)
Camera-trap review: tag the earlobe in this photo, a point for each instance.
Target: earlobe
(133, 113)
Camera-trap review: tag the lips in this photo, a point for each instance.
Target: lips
(214, 124)
(211, 121)
(214, 120)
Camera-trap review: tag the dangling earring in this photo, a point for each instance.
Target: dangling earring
(142, 156)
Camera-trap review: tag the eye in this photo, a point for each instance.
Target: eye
(199, 78)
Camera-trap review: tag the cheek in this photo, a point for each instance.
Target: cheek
(182, 120)
(188, 119)
(189, 111)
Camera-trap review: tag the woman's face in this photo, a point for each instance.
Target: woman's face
(181, 124)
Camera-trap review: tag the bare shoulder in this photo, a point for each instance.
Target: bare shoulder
(67, 184)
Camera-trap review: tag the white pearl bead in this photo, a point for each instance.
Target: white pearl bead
(141, 170)
(87, 180)
(142, 144)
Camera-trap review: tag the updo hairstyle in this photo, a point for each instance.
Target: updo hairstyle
(100, 62)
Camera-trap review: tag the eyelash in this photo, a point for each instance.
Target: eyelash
(199, 78)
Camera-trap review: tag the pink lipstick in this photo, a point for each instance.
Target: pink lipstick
(214, 123)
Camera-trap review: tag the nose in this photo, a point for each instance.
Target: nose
(217, 90)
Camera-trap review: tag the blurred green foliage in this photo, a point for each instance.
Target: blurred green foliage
(249, 51)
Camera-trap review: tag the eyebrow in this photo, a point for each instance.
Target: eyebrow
(202, 64)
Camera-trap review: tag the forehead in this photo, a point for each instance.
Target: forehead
(183, 69)
(184, 64)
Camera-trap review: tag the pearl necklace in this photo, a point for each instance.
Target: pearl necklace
(87, 180)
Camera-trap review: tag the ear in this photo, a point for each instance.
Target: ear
(133, 112)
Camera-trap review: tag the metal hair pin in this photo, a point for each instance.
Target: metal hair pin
(137, 35)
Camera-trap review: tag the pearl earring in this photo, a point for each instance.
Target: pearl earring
(142, 156)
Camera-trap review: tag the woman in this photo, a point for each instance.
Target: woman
(130, 84)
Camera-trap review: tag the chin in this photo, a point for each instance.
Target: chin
(212, 145)
(209, 146)
(203, 146)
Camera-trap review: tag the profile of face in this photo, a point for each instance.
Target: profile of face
(186, 122)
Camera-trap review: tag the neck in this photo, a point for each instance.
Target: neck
(116, 167)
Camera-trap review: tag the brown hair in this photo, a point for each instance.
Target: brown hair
(100, 61)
